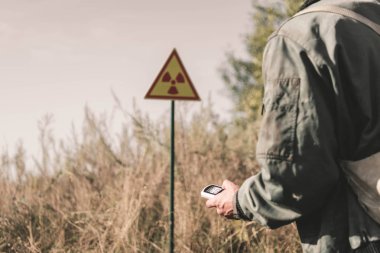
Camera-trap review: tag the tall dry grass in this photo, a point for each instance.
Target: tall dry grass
(99, 191)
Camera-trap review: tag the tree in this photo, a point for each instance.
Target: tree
(243, 76)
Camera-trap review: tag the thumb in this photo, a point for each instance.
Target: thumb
(227, 184)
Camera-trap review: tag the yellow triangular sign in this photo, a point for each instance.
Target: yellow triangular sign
(173, 82)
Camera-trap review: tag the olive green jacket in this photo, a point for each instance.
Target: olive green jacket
(322, 105)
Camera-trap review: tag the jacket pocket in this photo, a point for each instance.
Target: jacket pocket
(278, 127)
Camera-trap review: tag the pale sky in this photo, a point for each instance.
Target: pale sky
(57, 56)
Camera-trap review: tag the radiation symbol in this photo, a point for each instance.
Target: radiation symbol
(179, 79)
(173, 82)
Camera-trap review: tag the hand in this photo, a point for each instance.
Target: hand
(223, 202)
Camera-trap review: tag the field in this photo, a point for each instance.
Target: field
(100, 191)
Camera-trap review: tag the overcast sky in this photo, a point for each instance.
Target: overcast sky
(56, 56)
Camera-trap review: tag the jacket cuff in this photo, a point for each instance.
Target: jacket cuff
(238, 212)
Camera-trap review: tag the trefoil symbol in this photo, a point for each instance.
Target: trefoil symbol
(168, 79)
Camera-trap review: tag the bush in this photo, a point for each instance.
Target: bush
(102, 192)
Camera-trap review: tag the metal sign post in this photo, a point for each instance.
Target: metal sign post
(172, 83)
(172, 164)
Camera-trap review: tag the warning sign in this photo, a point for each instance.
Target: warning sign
(173, 82)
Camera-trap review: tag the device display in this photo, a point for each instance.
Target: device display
(210, 191)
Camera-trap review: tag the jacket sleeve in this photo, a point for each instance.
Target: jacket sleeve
(297, 144)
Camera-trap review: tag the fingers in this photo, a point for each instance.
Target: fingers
(211, 203)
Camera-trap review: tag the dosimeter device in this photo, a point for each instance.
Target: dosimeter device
(211, 191)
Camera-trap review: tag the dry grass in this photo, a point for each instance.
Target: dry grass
(102, 192)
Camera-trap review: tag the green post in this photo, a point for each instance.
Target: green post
(172, 161)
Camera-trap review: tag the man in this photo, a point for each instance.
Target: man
(321, 107)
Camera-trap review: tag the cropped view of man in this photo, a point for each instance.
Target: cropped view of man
(319, 141)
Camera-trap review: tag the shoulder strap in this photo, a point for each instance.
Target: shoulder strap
(343, 12)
